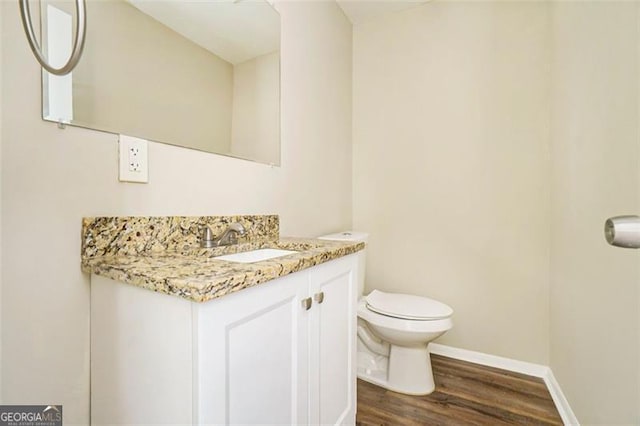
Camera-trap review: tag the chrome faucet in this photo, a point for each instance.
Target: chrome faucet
(228, 237)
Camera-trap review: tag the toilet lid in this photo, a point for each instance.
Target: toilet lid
(407, 306)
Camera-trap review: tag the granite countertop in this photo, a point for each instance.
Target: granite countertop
(194, 275)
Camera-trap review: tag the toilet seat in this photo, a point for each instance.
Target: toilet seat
(401, 324)
(406, 306)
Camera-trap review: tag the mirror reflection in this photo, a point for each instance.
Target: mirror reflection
(199, 74)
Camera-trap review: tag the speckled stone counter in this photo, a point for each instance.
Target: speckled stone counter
(163, 254)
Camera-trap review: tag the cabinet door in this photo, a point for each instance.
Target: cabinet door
(253, 355)
(332, 347)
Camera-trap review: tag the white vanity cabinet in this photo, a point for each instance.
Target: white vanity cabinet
(257, 356)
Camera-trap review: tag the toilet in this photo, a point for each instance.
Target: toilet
(394, 332)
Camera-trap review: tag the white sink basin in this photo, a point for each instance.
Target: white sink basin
(255, 255)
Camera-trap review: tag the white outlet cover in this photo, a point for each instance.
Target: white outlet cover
(133, 159)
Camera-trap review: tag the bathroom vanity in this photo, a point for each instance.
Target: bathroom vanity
(219, 341)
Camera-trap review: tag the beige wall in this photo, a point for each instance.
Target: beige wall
(451, 166)
(125, 45)
(51, 178)
(595, 308)
(1, 133)
(255, 128)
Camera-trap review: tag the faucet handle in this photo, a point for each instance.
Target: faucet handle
(205, 233)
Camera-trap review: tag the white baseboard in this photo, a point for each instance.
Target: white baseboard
(528, 368)
(509, 364)
(566, 413)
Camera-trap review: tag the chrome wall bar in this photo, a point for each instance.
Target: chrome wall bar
(78, 45)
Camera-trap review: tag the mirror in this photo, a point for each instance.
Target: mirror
(202, 74)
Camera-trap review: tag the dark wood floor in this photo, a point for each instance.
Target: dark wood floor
(466, 394)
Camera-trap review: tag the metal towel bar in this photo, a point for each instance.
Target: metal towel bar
(78, 45)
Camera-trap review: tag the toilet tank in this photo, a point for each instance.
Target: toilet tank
(353, 236)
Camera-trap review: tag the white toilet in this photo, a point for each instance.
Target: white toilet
(394, 331)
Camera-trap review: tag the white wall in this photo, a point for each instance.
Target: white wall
(1, 133)
(595, 288)
(255, 127)
(451, 165)
(51, 178)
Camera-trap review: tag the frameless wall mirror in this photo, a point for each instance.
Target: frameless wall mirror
(202, 74)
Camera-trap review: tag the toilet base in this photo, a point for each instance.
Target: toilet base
(410, 370)
(406, 370)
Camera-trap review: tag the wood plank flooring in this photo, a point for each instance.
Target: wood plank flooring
(466, 394)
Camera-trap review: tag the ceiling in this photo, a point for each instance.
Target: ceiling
(238, 30)
(359, 11)
(235, 30)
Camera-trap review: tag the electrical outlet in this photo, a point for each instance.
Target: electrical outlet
(134, 159)
(133, 164)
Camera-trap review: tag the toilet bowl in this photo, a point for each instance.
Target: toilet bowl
(394, 332)
(407, 332)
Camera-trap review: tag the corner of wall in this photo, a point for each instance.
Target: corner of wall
(559, 399)
(530, 369)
